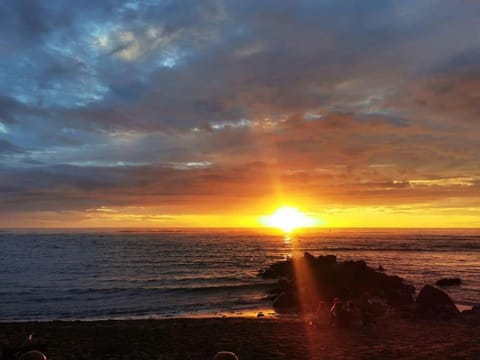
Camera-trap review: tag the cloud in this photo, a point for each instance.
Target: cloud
(8, 148)
(452, 96)
(211, 104)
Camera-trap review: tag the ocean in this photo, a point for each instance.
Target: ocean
(115, 274)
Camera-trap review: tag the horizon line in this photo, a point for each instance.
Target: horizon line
(126, 228)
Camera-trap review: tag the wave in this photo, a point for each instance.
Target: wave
(446, 248)
(112, 274)
(71, 293)
(170, 289)
(214, 288)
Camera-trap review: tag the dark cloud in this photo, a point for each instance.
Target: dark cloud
(9, 109)
(8, 148)
(454, 95)
(24, 19)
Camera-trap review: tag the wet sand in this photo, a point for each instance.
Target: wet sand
(251, 338)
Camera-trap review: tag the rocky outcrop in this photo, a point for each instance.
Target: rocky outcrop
(304, 281)
(449, 282)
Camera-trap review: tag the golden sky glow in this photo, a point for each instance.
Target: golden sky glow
(318, 216)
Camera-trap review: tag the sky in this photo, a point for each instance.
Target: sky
(214, 113)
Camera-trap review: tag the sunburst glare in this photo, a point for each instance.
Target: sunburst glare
(288, 219)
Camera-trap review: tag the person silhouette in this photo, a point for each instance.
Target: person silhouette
(33, 355)
(225, 355)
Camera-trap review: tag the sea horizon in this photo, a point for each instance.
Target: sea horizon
(260, 229)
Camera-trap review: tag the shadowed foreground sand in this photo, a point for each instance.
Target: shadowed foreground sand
(251, 339)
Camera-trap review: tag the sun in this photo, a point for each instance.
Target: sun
(287, 219)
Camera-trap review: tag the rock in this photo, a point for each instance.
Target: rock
(277, 270)
(474, 311)
(380, 268)
(432, 296)
(374, 308)
(433, 303)
(309, 258)
(260, 314)
(400, 297)
(411, 289)
(275, 291)
(329, 279)
(286, 303)
(472, 316)
(327, 259)
(449, 282)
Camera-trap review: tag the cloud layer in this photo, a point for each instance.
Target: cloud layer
(169, 109)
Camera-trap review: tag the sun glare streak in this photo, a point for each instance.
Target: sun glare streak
(288, 219)
(307, 290)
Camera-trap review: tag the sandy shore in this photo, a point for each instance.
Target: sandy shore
(251, 338)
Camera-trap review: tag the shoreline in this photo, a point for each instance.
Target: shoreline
(268, 313)
(247, 314)
(250, 338)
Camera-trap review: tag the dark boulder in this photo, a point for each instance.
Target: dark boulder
(277, 270)
(326, 260)
(309, 258)
(449, 282)
(286, 303)
(401, 297)
(275, 291)
(374, 309)
(433, 303)
(432, 296)
(475, 310)
(472, 316)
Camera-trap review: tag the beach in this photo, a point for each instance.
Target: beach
(181, 295)
(252, 338)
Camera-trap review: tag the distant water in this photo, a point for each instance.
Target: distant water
(117, 274)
